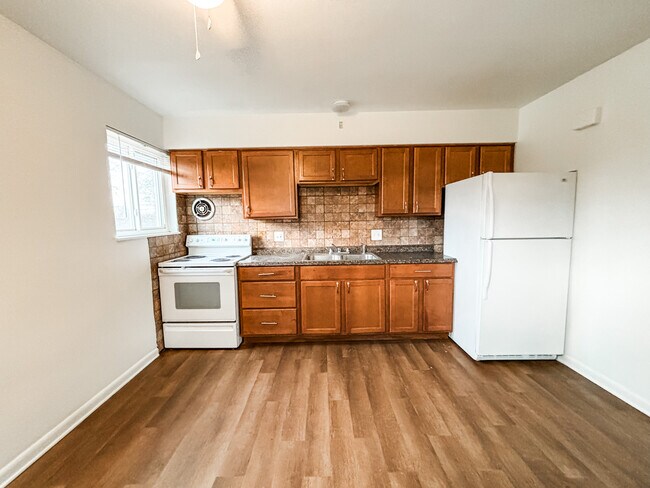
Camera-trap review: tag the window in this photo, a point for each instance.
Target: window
(143, 202)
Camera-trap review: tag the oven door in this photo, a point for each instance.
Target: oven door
(198, 294)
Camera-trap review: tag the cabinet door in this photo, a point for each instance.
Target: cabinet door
(358, 165)
(365, 306)
(316, 166)
(320, 309)
(404, 305)
(187, 170)
(427, 181)
(495, 158)
(394, 183)
(269, 189)
(437, 305)
(221, 170)
(460, 163)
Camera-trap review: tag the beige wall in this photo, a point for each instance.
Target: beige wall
(321, 129)
(608, 330)
(76, 304)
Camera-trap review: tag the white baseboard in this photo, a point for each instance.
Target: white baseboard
(616, 389)
(26, 458)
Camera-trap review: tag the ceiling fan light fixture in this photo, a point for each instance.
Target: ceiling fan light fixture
(206, 4)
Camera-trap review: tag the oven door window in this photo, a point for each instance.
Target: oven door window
(198, 296)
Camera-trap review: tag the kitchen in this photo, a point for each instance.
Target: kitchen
(377, 394)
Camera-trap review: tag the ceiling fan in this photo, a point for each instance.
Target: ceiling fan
(206, 5)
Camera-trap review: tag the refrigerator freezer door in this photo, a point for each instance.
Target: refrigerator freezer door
(528, 205)
(523, 297)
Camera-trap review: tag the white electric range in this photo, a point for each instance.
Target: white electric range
(198, 292)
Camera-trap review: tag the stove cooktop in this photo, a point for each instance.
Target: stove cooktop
(212, 251)
(202, 261)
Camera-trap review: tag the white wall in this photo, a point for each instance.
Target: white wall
(608, 334)
(75, 305)
(205, 130)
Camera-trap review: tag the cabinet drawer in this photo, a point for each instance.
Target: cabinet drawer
(267, 273)
(270, 294)
(354, 272)
(269, 322)
(445, 270)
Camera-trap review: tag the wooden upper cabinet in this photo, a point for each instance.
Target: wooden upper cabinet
(460, 163)
(365, 306)
(404, 314)
(437, 305)
(320, 307)
(269, 186)
(315, 166)
(427, 180)
(410, 189)
(394, 184)
(221, 170)
(495, 158)
(358, 165)
(187, 170)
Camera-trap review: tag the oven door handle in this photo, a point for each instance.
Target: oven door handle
(196, 271)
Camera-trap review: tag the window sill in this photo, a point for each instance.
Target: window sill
(146, 236)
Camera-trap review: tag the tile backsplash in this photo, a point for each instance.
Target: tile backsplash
(161, 249)
(340, 215)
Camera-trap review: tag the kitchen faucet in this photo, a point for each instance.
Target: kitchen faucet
(336, 250)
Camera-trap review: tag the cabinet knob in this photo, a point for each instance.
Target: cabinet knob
(348, 286)
(200, 181)
(211, 182)
(415, 282)
(338, 285)
(426, 285)
(342, 173)
(417, 206)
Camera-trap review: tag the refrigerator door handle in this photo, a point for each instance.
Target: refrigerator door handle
(487, 268)
(489, 207)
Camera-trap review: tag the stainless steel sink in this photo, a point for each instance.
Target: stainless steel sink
(367, 256)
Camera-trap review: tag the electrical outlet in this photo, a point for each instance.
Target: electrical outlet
(278, 236)
(376, 235)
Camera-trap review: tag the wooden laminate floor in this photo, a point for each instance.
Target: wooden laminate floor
(412, 413)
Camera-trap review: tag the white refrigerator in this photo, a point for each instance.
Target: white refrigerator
(511, 234)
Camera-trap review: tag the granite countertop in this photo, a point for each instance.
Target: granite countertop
(386, 254)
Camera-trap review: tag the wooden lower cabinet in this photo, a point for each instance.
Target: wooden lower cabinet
(421, 297)
(438, 297)
(365, 306)
(268, 308)
(404, 305)
(320, 307)
(349, 307)
(346, 300)
(269, 322)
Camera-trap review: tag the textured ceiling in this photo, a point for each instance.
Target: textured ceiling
(301, 55)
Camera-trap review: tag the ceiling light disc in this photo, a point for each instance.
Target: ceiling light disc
(341, 106)
(206, 4)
